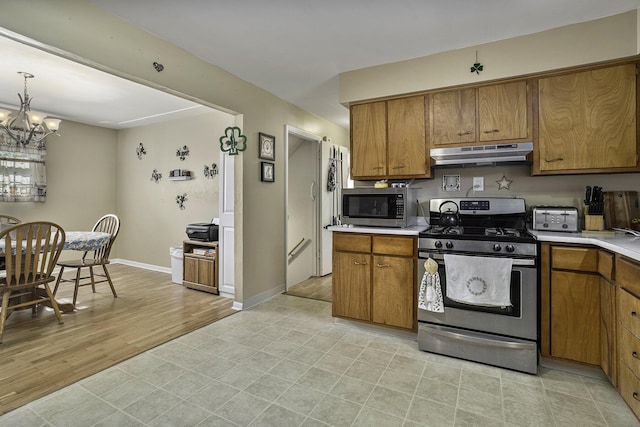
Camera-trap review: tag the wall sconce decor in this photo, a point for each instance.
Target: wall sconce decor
(140, 151)
(267, 146)
(156, 176)
(182, 153)
(210, 172)
(267, 172)
(180, 199)
(233, 141)
(504, 183)
(477, 67)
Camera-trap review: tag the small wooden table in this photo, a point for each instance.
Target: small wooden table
(200, 266)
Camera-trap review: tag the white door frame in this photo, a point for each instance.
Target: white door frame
(308, 136)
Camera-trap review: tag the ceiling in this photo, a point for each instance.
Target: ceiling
(291, 48)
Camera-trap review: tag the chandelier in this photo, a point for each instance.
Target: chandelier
(26, 126)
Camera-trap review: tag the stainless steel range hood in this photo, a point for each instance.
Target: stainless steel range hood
(482, 154)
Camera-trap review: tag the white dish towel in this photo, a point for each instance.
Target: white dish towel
(430, 293)
(478, 280)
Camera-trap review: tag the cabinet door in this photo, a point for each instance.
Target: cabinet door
(453, 117)
(407, 143)
(369, 140)
(587, 120)
(351, 282)
(393, 289)
(503, 111)
(206, 272)
(190, 271)
(575, 316)
(608, 354)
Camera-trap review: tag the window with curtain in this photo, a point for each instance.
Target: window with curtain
(23, 175)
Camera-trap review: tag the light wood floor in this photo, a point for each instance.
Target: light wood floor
(314, 288)
(39, 356)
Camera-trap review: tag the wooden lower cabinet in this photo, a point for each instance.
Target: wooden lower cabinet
(352, 285)
(200, 270)
(577, 305)
(374, 279)
(393, 300)
(575, 316)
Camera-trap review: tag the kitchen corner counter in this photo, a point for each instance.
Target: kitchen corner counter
(624, 244)
(408, 231)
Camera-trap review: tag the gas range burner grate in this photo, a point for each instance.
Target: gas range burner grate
(441, 229)
(496, 231)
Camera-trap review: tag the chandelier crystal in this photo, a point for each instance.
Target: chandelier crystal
(26, 126)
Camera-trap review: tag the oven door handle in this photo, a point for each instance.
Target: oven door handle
(488, 342)
(515, 261)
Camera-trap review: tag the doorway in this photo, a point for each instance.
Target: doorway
(303, 225)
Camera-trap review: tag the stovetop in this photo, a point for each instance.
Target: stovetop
(503, 234)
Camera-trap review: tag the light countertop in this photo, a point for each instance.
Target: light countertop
(624, 244)
(408, 231)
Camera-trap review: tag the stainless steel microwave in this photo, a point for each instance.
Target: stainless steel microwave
(379, 207)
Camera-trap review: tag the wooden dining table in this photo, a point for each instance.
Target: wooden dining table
(75, 241)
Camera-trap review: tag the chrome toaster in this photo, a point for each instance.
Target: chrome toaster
(555, 218)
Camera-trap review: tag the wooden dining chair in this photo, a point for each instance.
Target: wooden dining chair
(109, 223)
(8, 221)
(31, 251)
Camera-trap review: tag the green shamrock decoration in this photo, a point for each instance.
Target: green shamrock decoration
(477, 67)
(233, 141)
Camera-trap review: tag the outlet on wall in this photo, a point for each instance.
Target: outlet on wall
(478, 183)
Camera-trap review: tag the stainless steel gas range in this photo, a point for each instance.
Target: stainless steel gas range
(466, 236)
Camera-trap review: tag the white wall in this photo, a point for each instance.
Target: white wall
(81, 180)
(107, 42)
(594, 41)
(151, 220)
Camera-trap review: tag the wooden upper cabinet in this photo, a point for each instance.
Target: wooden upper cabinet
(388, 139)
(481, 115)
(587, 121)
(407, 142)
(369, 140)
(453, 117)
(503, 112)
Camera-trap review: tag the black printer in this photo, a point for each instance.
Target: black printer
(202, 232)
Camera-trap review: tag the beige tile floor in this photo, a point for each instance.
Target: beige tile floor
(287, 363)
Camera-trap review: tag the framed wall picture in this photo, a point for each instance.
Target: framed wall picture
(267, 146)
(267, 172)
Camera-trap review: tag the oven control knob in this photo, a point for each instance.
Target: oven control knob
(510, 248)
(449, 245)
(497, 248)
(438, 244)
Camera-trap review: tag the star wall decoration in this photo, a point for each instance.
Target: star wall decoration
(504, 183)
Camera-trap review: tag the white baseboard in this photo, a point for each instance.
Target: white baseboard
(142, 265)
(264, 296)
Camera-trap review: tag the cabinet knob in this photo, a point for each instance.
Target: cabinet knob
(635, 396)
(492, 131)
(399, 167)
(462, 133)
(635, 355)
(360, 262)
(634, 314)
(377, 167)
(383, 265)
(556, 159)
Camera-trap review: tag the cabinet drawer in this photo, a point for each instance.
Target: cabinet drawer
(628, 274)
(630, 351)
(580, 259)
(629, 312)
(605, 264)
(351, 242)
(394, 245)
(630, 388)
